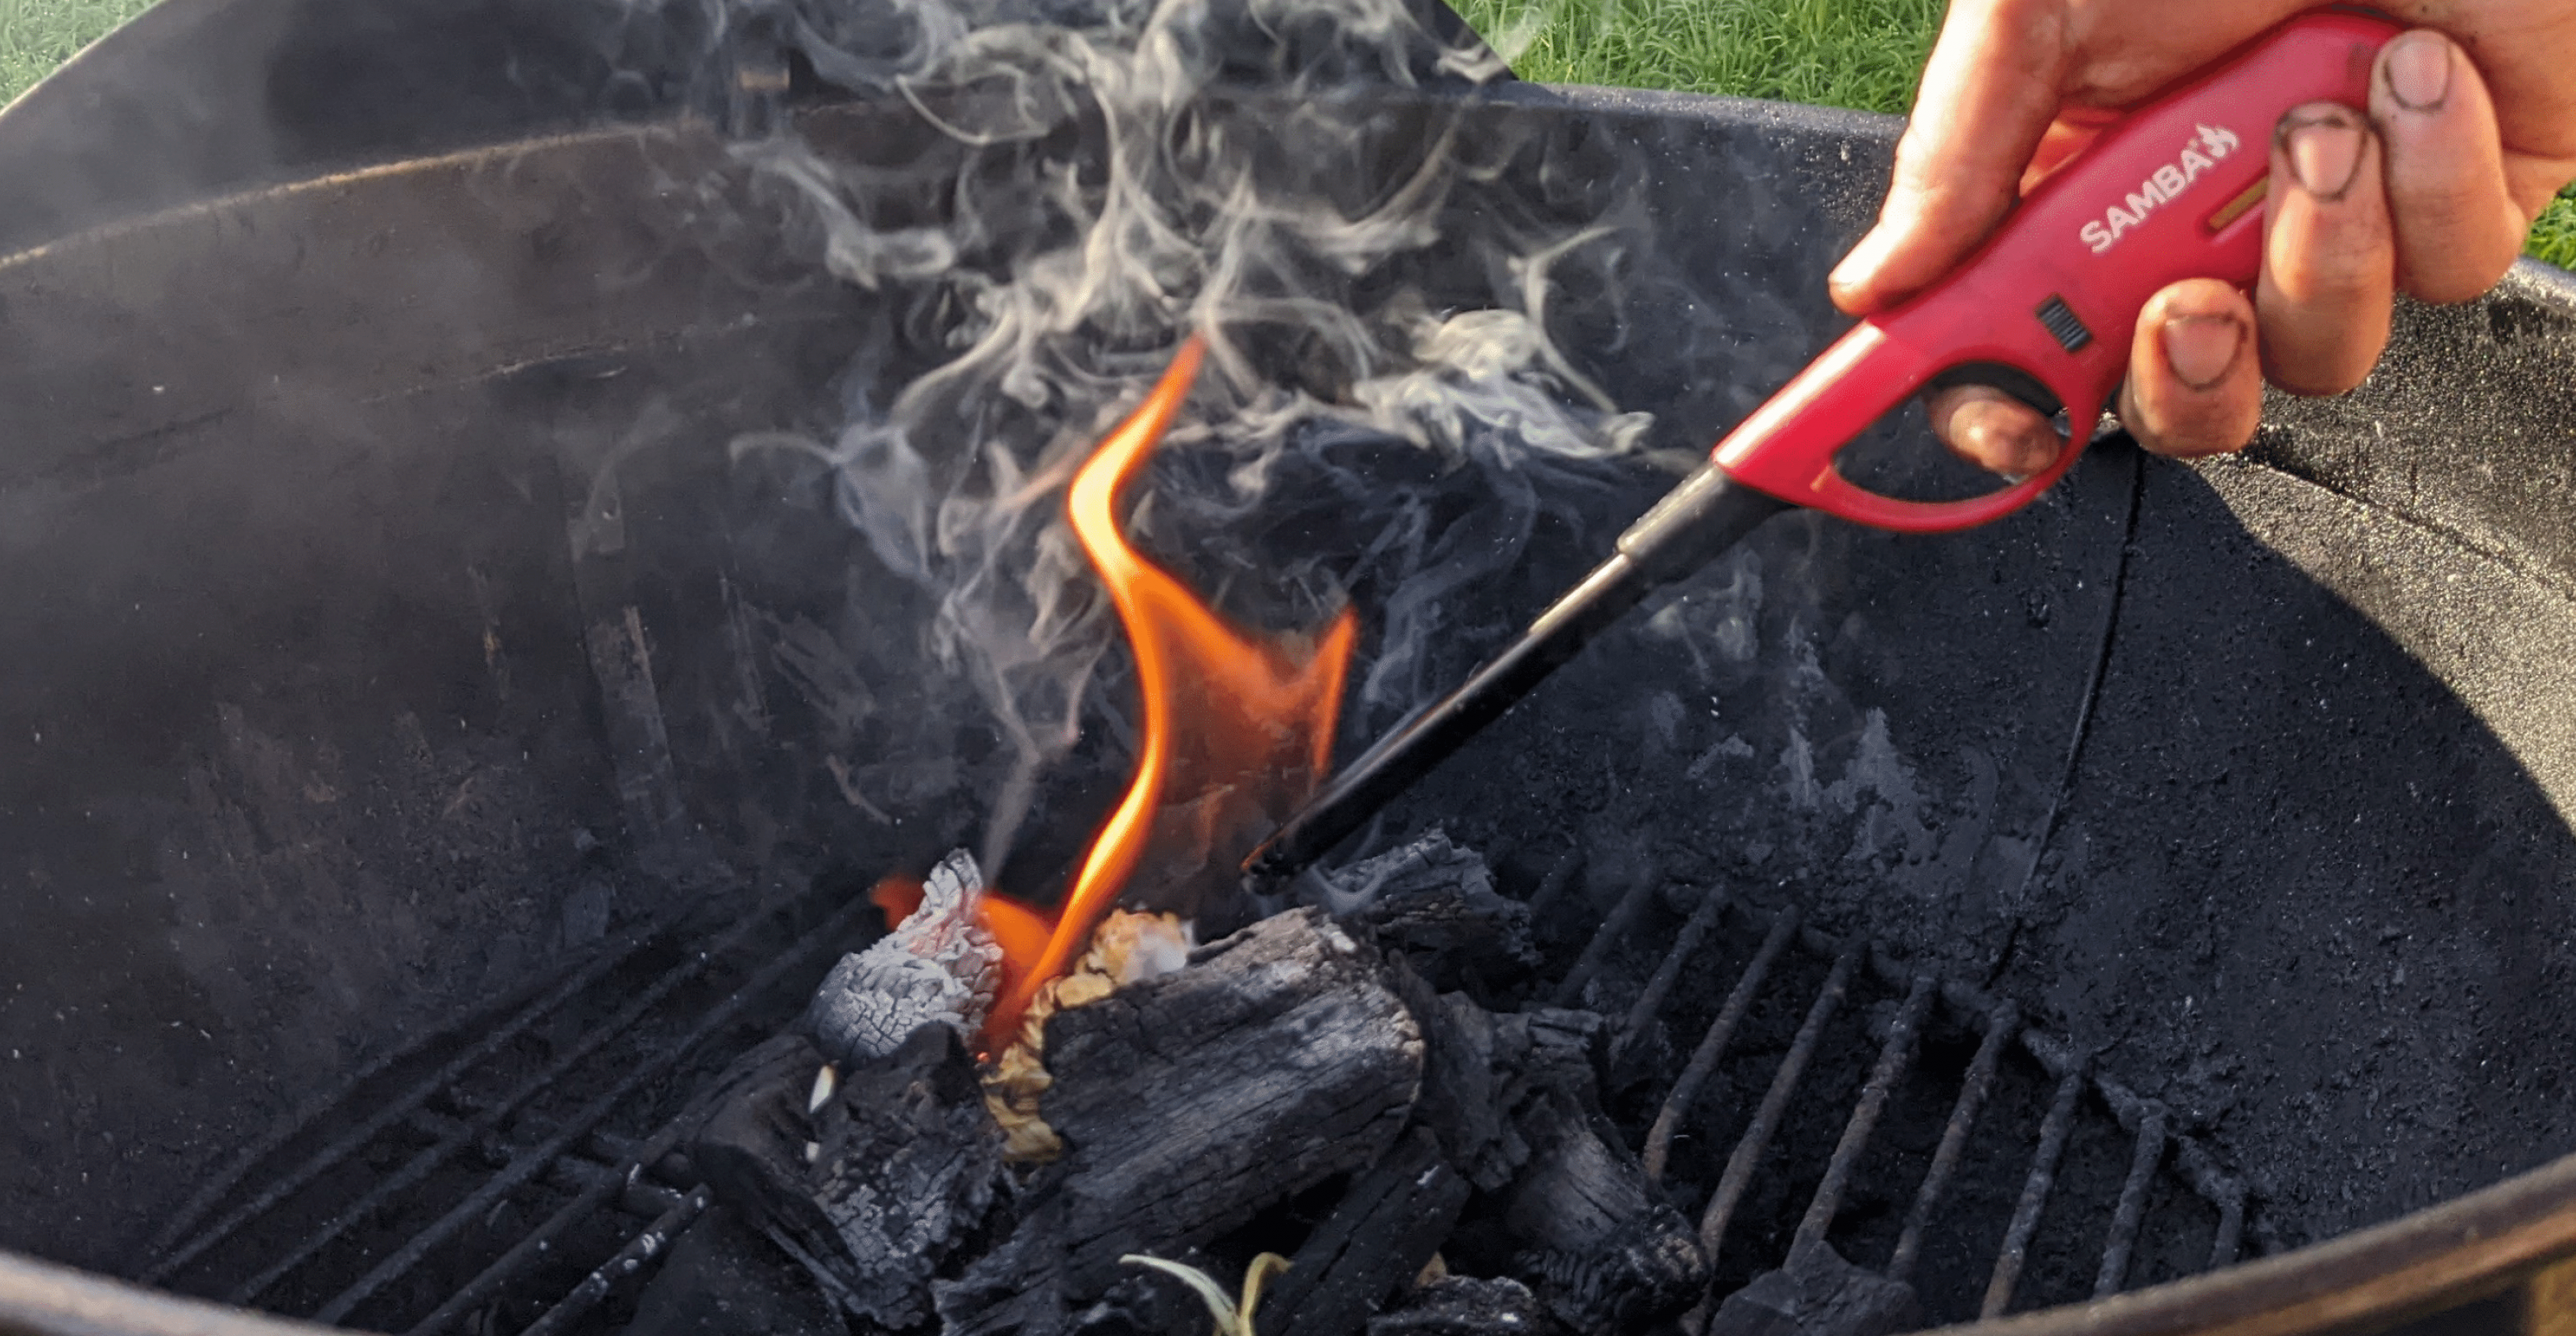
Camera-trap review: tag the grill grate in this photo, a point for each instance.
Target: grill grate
(526, 1122)
(435, 1157)
(2162, 1188)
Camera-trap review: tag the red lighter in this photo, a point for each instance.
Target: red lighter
(2173, 191)
(2045, 310)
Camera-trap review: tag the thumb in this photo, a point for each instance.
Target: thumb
(1988, 96)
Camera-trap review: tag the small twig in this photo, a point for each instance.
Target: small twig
(1232, 1318)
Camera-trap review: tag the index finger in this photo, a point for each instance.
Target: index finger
(1988, 96)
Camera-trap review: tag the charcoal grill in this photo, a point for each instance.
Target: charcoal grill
(419, 796)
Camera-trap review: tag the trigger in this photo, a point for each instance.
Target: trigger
(2013, 381)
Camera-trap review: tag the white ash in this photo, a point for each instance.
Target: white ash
(940, 967)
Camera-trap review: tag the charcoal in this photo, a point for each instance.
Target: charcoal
(904, 1165)
(1384, 1231)
(1190, 1102)
(938, 967)
(1818, 1294)
(1435, 902)
(1466, 1306)
(1487, 1071)
(723, 1278)
(748, 1132)
(1147, 1303)
(1514, 1104)
(1605, 1251)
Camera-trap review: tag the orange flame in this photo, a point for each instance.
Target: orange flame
(1234, 726)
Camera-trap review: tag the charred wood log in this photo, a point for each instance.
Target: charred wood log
(875, 1188)
(1188, 1103)
(1436, 903)
(1513, 1101)
(1466, 1306)
(1387, 1227)
(1607, 1253)
(1486, 1074)
(1818, 1294)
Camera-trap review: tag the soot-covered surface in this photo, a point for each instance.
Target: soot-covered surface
(2079, 754)
(2298, 887)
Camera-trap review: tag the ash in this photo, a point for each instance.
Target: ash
(939, 968)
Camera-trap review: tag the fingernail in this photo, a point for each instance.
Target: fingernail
(2201, 348)
(2324, 149)
(2419, 70)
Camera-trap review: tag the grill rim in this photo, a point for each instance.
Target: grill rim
(2464, 1249)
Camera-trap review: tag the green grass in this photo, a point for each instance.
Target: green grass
(37, 35)
(1864, 54)
(1843, 53)
(2553, 238)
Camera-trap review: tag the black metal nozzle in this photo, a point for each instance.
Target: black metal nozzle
(1704, 516)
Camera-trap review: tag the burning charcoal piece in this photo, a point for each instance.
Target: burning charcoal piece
(1190, 1102)
(1126, 948)
(873, 1189)
(1466, 1306)
(1436, 902)
(939, 968)
(1384, 1231)
(1818, 1294)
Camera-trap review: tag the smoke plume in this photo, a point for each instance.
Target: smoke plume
(1095, 192)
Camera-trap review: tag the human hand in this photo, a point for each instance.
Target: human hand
(2470, 130)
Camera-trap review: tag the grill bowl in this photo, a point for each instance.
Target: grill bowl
(340, 483)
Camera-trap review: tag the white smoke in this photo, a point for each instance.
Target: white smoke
(1086, 203)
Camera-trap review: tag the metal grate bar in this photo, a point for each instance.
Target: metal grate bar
(1623, 916)
(2002, 1023)
(2231, 1230)
(2219, 1186)
(206, 1198)
(1732, 1184)
(1559, 876)
(536, 1243)
(575, 1173)
(2150, 1152)
(1712, 1045)
(1894, 1057)
(651, 1069)
(2053, 1131)
(1712, 901)
(400, 1108)
(629, 1262)
(490, 1117)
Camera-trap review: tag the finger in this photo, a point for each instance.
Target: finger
(2195, 384)
(2329, 261)
(2457, 225)
(1993, 430)
(1987, 96)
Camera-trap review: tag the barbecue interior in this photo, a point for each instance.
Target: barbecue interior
(434, 703)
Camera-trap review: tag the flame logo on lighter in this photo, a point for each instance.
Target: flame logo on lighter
(2199, 156)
